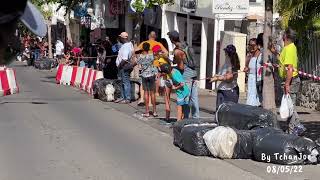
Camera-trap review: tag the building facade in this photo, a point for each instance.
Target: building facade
(200, 24)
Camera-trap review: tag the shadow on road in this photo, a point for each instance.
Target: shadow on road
(48, 81)
(20, 102)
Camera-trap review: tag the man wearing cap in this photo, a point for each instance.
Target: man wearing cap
(189, 74)
(125, 67)
(10, 14)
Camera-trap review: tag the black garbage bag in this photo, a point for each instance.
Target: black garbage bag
(245, 117)
(192, 140)
(273, 146)
(117, 84)
(43, 64)
(244, 146)
(99, 90)
(177, 128)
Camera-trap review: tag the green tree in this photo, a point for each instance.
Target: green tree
(303, 16)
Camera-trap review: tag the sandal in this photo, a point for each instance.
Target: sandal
(146, 115)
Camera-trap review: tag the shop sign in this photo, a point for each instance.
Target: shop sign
(230, 6)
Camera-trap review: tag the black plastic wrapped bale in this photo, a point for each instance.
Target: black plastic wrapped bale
(192, 140)
(244, 146)
(245, 117)
(177, 128)
(117, 86)
(99, 89)
(274, 146)
(43, 64)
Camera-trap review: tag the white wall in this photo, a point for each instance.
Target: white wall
(239, 41)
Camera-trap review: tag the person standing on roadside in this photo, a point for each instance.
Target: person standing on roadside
(288, 71)
(178, 84)
(228, 89)
(148, 74)
(125, 67)
(59, 49)
(152, 41)
(253, 64)
(183, 57)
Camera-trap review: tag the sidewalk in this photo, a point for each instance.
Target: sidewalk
(310, 118)
(207, 100)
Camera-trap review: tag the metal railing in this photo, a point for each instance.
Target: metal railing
(311, 62)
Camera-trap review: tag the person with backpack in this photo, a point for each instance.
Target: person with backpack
(184, 58)
(254, 61)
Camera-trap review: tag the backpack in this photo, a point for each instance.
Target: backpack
(189, 55)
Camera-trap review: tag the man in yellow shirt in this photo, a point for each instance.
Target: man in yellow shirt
(288, 71)
(152, 41)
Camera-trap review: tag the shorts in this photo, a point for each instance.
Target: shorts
(149, 83)
(182, 101)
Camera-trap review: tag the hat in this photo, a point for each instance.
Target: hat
(29, 15)
(230, 49)
(173, 34)
(156, 48)
(124, 35)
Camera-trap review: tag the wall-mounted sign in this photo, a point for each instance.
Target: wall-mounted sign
(202, 8)
(189, 6)
(230, 6)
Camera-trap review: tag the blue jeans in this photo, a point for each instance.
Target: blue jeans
(227, 96)
(126, 86)
(36, 54)
(193, 101)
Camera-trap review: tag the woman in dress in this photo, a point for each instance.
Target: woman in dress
(253, 65)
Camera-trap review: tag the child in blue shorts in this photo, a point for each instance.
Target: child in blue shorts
(179, 86)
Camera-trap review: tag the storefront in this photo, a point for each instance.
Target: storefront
(200, 23)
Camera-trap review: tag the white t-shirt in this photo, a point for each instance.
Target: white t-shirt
(59, 48)
(124, 53)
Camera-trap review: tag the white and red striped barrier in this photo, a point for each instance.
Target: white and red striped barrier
(301, 73)
(8, 82)
(80, 77)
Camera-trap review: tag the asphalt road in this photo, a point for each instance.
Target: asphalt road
(56, 132)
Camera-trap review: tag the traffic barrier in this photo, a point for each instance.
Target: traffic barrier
(80, 77)
(91, 77)
(80, 73)
(85, 78)
(59, 73)
(8, 82)
(95, 75)
(74, 75)
(66, 75)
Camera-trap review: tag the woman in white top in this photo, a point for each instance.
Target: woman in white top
(228, 89)
(253, 65)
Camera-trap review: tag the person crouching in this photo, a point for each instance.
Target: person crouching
(179, 85)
